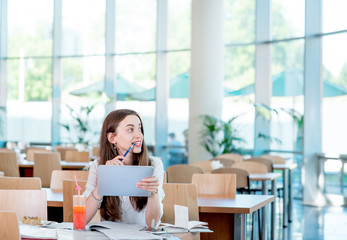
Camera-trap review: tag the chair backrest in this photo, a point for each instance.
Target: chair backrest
(181, 173)
(231, 156)
(96, 151)
(58, 176)
(251, 167)
(5, 150)
(75, 156)
(184, 194)
(31, 203)
(9, 164)
(44, 165)
(69, 189)
(31, 151)
(242, 180)
(225, 162)
(265, 161)
(215, 184)
(206, 165)
(22, 183)
(9, 226)
(274, 159)
(62, 151)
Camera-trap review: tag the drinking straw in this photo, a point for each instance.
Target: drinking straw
(79, 190)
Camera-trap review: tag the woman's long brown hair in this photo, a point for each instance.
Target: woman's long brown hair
(110, 207)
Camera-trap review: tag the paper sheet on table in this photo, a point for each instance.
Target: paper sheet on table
(181, 216)
(30, 231)
(116, 234)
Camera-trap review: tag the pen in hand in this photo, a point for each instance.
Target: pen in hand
(132, 145)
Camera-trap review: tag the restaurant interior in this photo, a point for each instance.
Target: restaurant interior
(242, 100)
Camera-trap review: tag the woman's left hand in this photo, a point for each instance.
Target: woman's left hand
(149, 184)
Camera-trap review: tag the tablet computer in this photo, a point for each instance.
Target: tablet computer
(121, 180)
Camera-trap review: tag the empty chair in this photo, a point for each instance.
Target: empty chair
(206, 165)
(58, 176)
(184, 194)
(63, 150)
(265, 161)
(32, 150)
(251, 166)
(9, 164)
(5, 150)
(96, 151)
(44, 165)
(69, 189)
(31, 203)
(225, 162)
(75, 156)
(242, 179)
(181, 173)
(22, 183)
(274, 159)
(215, 184)
(232, 156)
(9, 226)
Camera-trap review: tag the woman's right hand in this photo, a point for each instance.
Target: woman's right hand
(119, 160)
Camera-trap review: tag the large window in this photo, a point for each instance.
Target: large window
(29, 71)
(334, 94)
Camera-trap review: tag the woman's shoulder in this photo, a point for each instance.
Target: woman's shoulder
(156, 161)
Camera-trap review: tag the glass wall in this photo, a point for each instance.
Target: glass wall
(29, 71)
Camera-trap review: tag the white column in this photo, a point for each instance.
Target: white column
(207, 70)
(162, 89)
(110, 49)
(3, 68)
(263, 80)
(313, 101)
(57, 72)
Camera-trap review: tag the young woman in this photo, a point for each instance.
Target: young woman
(121, 129)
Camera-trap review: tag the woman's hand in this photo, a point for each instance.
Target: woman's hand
(149, 184)
(119, 160)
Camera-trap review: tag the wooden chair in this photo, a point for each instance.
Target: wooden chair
(69, 189)
(63, 150)
(274, 159)
(9, 164)
(251, 166)
(9, 226)
(181, 173)
(206, 165)
(215, 184)
(75, 156)
(31, 203)
(265, 161)
(31, 151)
(20, 183)
(5, 150)
(184, 194)
(225, 162)
(58, 176)
(242, 179)
(231, 156)
(96, 151)
(44, 165)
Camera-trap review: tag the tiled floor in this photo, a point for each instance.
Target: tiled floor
(310, 223)
(315, 223)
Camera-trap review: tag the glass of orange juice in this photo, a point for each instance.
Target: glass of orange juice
(79, 212)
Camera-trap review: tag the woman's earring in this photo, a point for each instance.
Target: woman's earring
(115, 146)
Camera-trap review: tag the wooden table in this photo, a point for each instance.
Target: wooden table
(287, 184)
(26, 167)
(226, 216)
(264, 178)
